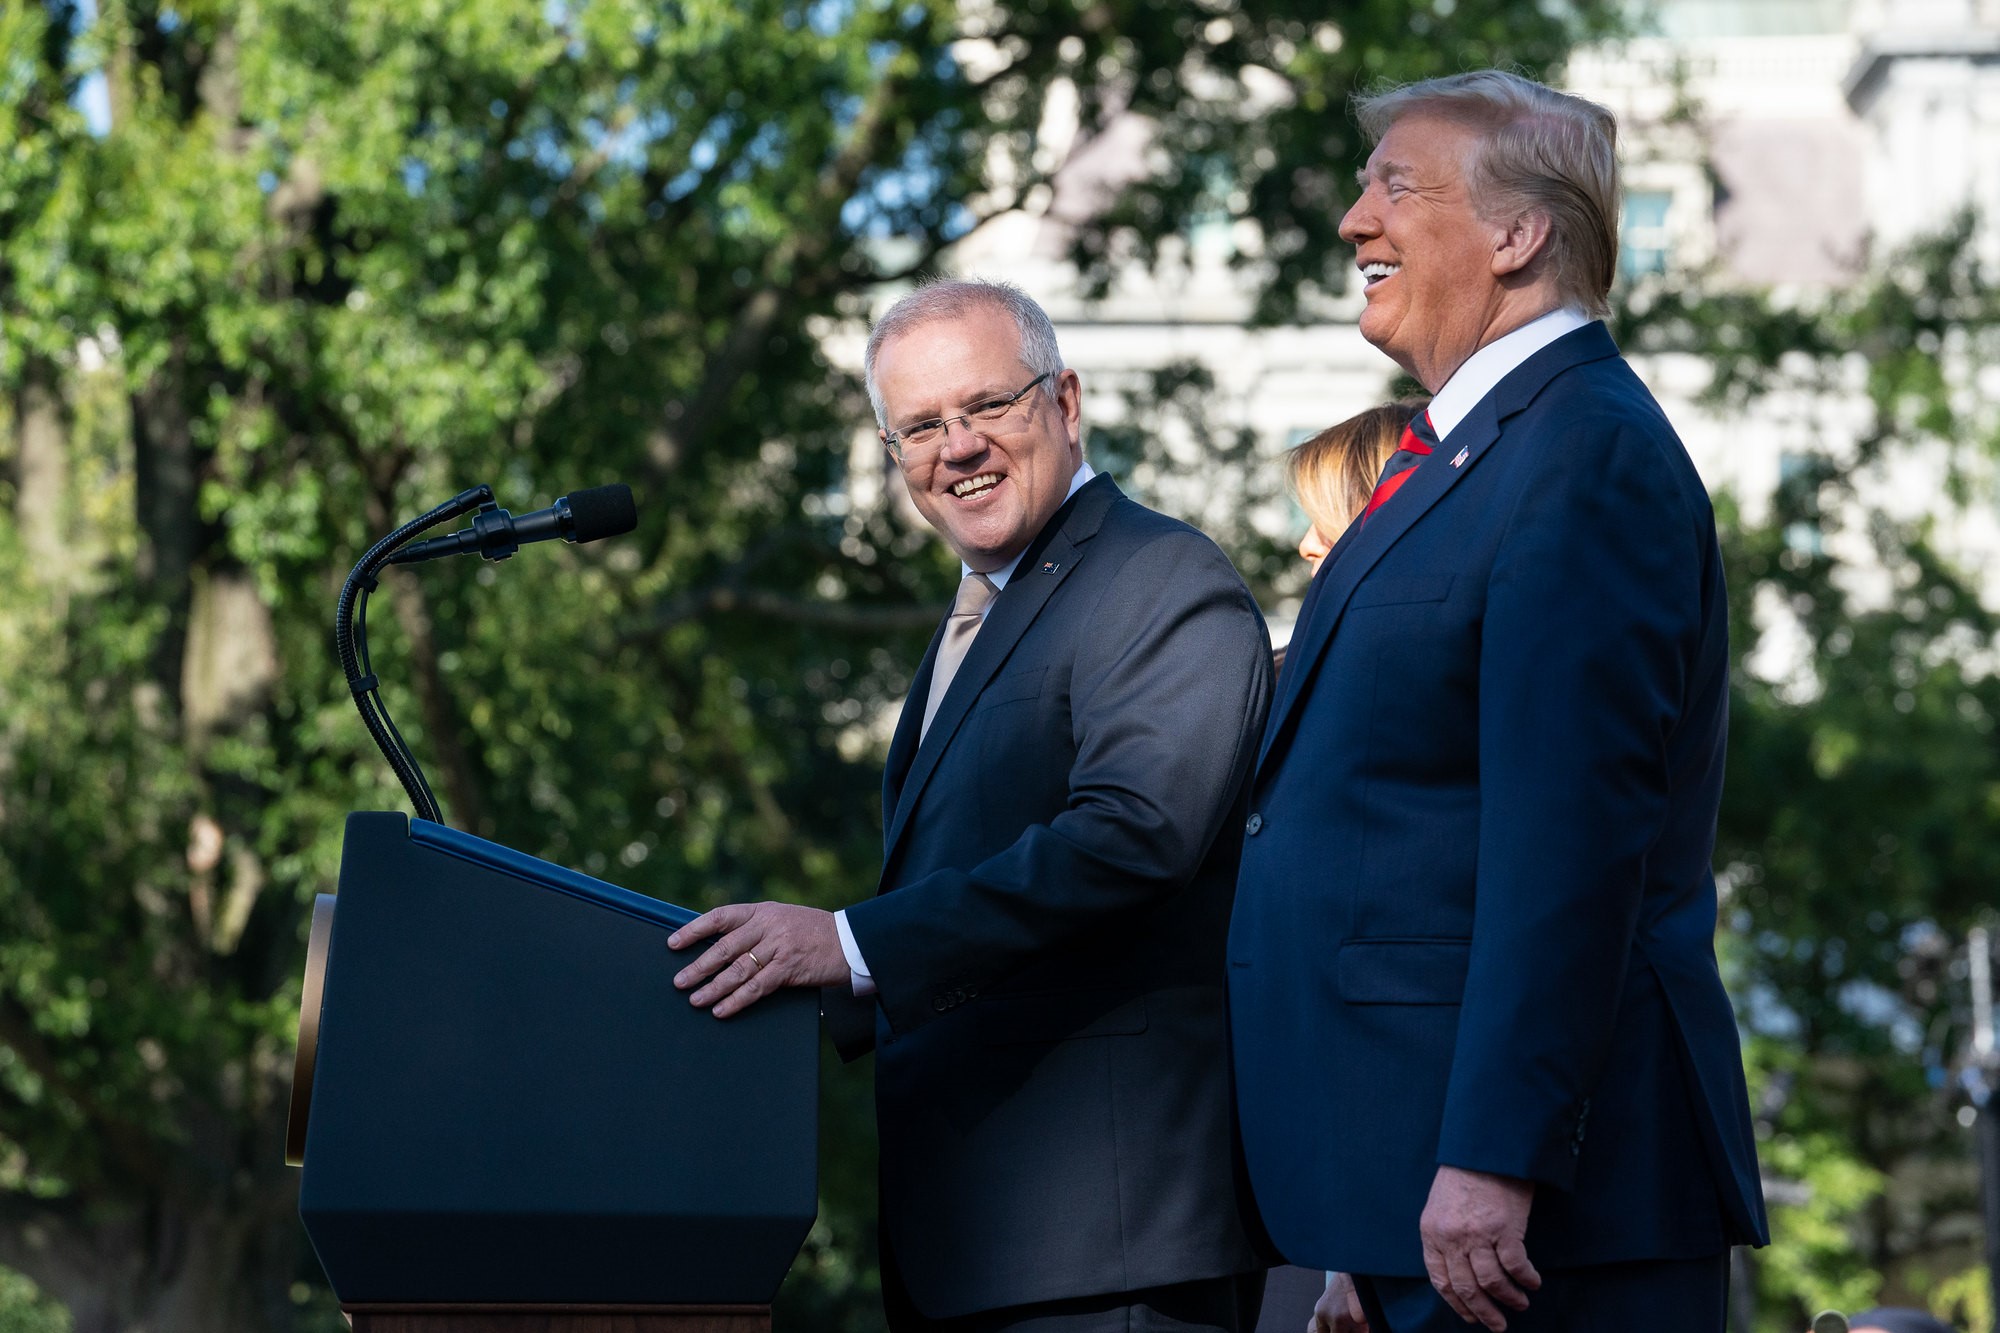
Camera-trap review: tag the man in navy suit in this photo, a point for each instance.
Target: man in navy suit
(1485, 1065)
(1041, 971)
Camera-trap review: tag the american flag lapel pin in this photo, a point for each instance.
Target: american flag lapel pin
(1461, 456)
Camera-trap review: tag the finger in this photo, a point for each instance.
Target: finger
(1326, 1313)
(1357, 1318)
(1466, 1297)
(710, 964)
(742, 997)
(1514, 1258)
(1493, 1279)
(1440, 1276)
(738, 944)
(718, 922)
(742, 970)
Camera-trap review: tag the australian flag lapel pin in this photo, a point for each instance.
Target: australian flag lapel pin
(1461, 456)
(1050, 566)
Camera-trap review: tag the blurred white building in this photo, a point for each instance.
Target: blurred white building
(1781, 143)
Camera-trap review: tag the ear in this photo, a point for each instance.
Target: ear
(1069, 402)
(1517, 246)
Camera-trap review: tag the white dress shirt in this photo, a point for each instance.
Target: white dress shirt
(1494, 362)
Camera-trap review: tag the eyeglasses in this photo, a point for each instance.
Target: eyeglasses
(920, 437)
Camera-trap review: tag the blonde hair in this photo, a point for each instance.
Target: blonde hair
(1333, 473)
(1540, 151)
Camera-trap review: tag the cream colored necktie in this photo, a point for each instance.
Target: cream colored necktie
(968, 612)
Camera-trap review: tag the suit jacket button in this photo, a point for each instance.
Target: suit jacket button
(939, 1003)
(1254, 825)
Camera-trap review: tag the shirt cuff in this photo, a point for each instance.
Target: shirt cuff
(858, 974)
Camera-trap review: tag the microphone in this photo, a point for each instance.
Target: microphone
(584, 516)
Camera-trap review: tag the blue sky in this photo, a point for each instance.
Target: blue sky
(93, 95)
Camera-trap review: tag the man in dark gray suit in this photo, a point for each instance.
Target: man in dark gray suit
(1041, 971)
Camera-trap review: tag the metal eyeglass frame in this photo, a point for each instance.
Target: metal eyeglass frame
(991, 412)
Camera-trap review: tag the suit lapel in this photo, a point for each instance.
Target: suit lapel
(903, 745)
(1045, 565)
(1362, 545)
(1357, 553)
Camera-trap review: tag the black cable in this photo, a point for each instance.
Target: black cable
(381, 706)
(350, 642)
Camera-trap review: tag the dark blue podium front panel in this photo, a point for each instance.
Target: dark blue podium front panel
(512, 1103)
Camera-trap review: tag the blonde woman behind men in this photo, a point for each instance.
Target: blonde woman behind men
(1333, 473)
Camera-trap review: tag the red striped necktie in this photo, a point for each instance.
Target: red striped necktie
(1419, 438)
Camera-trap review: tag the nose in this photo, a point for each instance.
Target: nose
(960, 439)
(1359, 222)
(1313, 547)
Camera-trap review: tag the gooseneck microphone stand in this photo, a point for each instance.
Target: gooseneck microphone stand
(581, 516)
(350, 641)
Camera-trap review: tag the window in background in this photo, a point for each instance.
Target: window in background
(1799, 478)
(1642, 233)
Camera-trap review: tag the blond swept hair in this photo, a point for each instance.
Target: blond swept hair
(1333, 473)
(1539, 151)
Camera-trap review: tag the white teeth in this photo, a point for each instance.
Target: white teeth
(1379, 270)
(984, 481)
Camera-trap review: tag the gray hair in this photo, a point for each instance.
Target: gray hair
(1540, 151)
(954, 298)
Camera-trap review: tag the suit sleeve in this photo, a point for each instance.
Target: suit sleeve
(1170, 681)
(848, 1019)
(1593, 624)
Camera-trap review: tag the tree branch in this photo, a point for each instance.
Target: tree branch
(690, 422)
(858, 618)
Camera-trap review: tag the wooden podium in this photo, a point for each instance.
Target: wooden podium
(511, 1122)
(559, 1318)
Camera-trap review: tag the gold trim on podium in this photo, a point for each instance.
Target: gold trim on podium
(309, 1006)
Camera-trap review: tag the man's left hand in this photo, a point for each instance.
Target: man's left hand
(1474, 1249)
(759, 947)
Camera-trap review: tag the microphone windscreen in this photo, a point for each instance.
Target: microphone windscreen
(602, 511)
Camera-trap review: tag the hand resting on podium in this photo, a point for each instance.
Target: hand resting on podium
(759, 948)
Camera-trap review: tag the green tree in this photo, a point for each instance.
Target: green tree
(333, 262)
(1860, 830)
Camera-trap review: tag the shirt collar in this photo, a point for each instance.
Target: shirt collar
(1001, 575)
(1494, 362)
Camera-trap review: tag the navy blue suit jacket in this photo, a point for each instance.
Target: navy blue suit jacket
(1052, 1076)
(1475, 916)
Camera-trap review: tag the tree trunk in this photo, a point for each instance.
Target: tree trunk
(463, 775)
(167, 476)
(170, 1266)
(41, 495)
(196, 1271)
(230, 662)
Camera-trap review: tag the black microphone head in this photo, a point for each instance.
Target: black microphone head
(601, 511)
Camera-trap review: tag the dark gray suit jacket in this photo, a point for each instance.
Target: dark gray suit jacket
(1052, 1083)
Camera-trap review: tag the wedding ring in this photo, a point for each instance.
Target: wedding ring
(751, 954)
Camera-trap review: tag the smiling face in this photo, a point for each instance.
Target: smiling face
(1440, 281)
(988, 490)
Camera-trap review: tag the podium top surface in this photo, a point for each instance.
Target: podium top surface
(547, 874)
